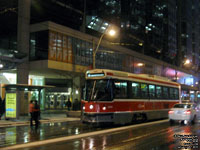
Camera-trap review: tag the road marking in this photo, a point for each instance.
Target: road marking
(73, 137)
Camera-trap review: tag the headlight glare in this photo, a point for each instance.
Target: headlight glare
(91, 106)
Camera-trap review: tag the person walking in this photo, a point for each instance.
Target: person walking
(31, 108)
(36, 113)
(69, 104)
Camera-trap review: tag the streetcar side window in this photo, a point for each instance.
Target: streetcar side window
(144, 90)
(120, 89)
(165, 92)
(152, 91)
(176, 93)
(158, 92)
(173, 93)
(135, 90)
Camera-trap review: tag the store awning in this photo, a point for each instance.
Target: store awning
(25, 87)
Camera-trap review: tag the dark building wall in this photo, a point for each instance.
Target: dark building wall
(188, 37)
(195, 33)
(170, 42)
(153, 24)
(65, 12)
(133, 23)
(140, 21)
(156, 25)
(8, 25)
(154, 29)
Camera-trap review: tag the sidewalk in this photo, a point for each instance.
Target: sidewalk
(45, 118)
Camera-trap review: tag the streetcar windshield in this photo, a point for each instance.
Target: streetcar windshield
(98, 90)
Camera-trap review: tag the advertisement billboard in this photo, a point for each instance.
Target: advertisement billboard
(11, 105)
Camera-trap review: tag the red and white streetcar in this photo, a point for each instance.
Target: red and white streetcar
(121, 98)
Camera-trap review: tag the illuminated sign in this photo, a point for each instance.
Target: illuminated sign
(189, 80)
(95, 74)
(11, 105)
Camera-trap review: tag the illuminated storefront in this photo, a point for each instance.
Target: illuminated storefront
(50, 98)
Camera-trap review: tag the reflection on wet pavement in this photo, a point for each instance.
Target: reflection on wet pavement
(156, 137)
(24, 134)
(151, 137)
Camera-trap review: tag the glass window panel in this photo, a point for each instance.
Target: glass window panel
(152, 91)
(135, 89)
(144, 90)
(120, 89)
(171, 93)
(78, 47)
(165, 93)
(83, 51)
(74, 45)
(176, 94)
(87, 53)
(158, 92)
(77, 44)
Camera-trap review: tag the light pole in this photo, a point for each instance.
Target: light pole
(111, 33)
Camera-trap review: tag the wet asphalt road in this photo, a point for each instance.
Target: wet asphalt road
(24, 134)
(151, 137)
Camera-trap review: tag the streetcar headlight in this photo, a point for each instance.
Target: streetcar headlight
(104, 108)
(83, 107)
(91, 106)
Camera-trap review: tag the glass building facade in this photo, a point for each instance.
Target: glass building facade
(63, 48)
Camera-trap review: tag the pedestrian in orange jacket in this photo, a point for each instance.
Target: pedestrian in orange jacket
(36, 113)
(31, 109)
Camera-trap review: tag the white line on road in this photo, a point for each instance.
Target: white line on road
(73, 137)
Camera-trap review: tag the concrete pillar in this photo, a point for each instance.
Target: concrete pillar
(23, 34)
(43, 99)
(76, 91)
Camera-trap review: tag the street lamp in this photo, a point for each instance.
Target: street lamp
(111, 32)
(187, 61)
(1, 65)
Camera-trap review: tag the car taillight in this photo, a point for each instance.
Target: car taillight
(170, 112)
(187, 112)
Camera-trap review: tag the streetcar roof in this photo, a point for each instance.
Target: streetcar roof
(106, 73)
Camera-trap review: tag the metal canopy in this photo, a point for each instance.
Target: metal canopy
(25, 87)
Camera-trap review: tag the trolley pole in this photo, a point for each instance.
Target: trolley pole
(95, 50)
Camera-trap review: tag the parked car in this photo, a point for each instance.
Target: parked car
(183, 112)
